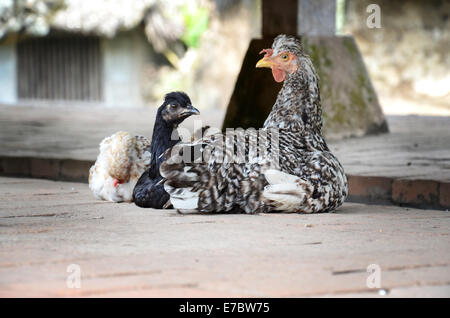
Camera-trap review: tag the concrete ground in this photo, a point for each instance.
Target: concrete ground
(123, 250)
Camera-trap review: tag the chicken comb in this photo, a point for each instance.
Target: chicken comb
(267, 52)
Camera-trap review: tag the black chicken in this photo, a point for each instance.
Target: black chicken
(149, 191)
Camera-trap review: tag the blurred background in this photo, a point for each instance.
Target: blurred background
(129, 53)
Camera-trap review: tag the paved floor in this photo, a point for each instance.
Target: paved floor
(122, 250)
(75, 133)
(416, 148)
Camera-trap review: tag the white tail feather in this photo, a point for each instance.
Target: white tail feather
(285, 197)
(182, 198)
(285, 191)
(276, 177)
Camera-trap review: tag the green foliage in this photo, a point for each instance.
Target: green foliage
(196, 22)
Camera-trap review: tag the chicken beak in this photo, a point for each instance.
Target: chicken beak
(191, 110)
(264, 62)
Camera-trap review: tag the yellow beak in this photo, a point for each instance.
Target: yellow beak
(264, 62)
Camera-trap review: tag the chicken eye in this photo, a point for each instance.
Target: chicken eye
(173, 106)
(284, 56)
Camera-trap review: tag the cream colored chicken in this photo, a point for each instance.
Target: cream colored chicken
(122, 160)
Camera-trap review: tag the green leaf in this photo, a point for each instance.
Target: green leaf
(196, 22)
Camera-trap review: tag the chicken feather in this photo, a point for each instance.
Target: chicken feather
(120, 163)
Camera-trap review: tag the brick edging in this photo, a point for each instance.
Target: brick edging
(54, 169)
(429, 194)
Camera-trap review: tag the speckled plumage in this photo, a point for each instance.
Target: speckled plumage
(122, 157)
(306, 178)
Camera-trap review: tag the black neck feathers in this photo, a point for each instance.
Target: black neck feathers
(164, 136)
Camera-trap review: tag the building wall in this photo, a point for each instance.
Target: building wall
(123, 60)
(124, 57)
(409, 54)
(8, 87)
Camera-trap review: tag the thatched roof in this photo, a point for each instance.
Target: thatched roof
(161, 19)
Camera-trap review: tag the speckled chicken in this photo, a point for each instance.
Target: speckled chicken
(285, 166)
(122, 160)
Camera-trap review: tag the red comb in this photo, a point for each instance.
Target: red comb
(267, 52)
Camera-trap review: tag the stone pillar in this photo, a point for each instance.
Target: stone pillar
(316, 17)
(279, 16)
